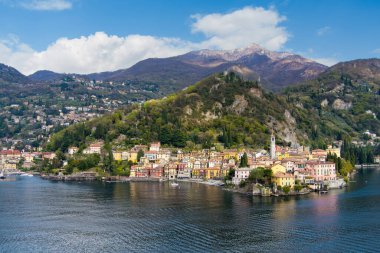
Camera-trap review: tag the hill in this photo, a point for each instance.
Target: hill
(45, 75)
(222, 108)
(345, 97)
(9, 75)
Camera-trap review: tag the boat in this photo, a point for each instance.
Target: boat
(2, 175)
(26, 175)
(174, 184)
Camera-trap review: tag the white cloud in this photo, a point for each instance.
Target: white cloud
(242, 28)
(102, 52)
(326, 61)
(376, 51)
(323, 30)
(94, 53)
(46, 5)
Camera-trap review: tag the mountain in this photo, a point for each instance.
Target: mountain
(45, 76)
(275, 70)
(10, 75)
(345, 97)
(222, 108)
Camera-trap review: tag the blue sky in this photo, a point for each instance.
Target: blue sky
(86, 36)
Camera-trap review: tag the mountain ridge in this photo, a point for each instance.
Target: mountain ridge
(275, 69)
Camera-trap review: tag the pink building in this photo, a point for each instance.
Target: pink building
(321, 171)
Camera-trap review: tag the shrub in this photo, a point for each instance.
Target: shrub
(286, 189)
(242, 183)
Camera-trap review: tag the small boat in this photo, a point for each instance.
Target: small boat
(26, 175)
(2, 175)
(174, 184)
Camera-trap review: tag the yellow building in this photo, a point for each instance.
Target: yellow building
(230, 154)
(278, 168)
(211, 173)
(333, 151)
(133, 156)
(117, 155)
(283, 179)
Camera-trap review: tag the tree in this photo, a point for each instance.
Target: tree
(107, 158)
(286, 189)
(140, 154)
(244, 160)
(256, 175)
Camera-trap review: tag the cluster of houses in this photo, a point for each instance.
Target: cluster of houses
(288, 165)
(12, 159)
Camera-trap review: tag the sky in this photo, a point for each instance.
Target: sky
(86, 36)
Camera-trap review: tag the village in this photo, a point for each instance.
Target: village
(289, 167)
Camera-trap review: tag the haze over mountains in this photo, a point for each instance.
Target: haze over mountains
(275, 70)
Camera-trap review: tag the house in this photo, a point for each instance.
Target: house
(184, 173)
(139, 172)
(125, 156)
(156, 172)
(94, 148)
(288, 164)
(319, 154)
(133, 156)
(48, 155)
(72, 150)
(377, 159)
(151, 155)
(333, 151)
(117, 155)
(163, 155)
(10, 154)
(212, 173)
(241, 174)
(278, 168)
(283, 179)
(321, 171)
(155, 146)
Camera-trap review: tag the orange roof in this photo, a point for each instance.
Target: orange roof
(283, 175)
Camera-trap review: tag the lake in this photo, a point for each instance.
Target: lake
(44, 216)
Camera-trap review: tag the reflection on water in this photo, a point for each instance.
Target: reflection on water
(38, 215)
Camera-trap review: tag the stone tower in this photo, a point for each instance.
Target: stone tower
(272, 146)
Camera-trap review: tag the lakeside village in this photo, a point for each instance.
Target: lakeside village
(282, 170)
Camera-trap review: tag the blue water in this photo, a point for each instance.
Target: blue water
(43, 216)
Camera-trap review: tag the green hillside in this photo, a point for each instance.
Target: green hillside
(345, 98)
(220, 109)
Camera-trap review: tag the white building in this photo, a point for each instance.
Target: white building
(241, 174)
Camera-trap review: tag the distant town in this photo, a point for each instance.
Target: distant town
(26, 122)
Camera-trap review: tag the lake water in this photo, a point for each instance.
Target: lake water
(44, 216)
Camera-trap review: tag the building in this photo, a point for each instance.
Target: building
(117, 155)
(151, 155)
(94, 148)
(377, 159)
(72, 150)
(241, 174)
(319, 154)
(155, 146)
(321, 171)
(184, 173)
(212, 173)
(283, 179)
(278, 168)
(272, 147)
(333, 151)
